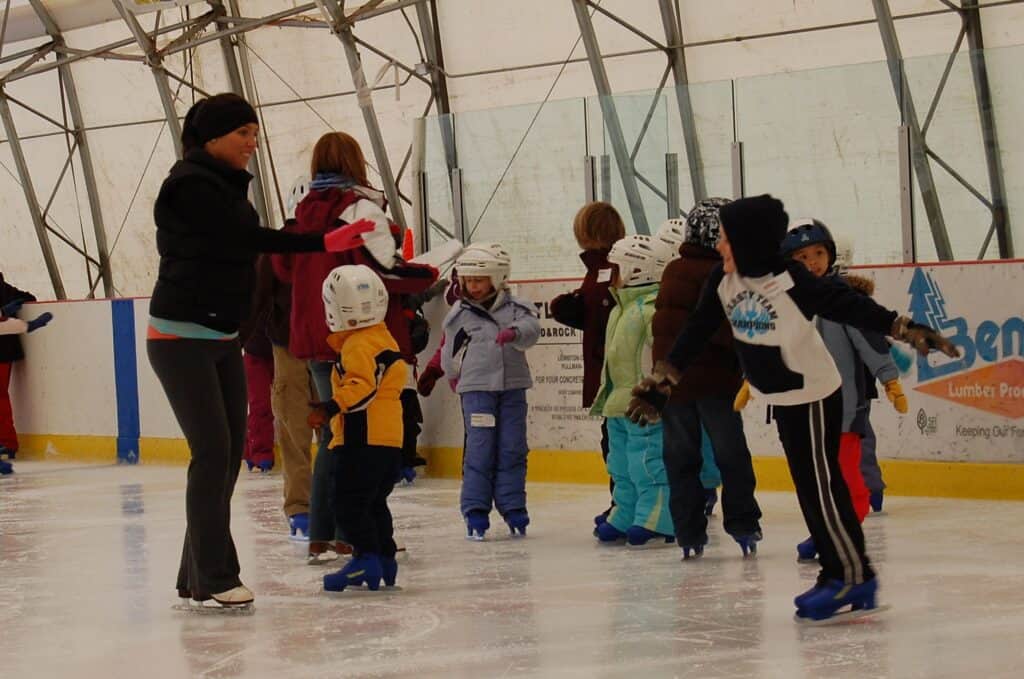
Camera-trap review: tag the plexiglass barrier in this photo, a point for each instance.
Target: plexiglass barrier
(827, 142)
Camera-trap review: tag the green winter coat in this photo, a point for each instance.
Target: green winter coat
(627, 348)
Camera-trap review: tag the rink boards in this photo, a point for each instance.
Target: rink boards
(87, 391)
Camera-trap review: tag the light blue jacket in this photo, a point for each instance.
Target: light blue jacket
(471, 353)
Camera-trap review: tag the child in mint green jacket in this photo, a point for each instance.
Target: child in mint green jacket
(641, 513)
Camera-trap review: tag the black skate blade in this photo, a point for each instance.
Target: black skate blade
(363, 591)
(841, 618)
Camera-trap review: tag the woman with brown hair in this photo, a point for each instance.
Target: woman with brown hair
(340, 193)
(208, 236)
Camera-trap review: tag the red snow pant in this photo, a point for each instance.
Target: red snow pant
(849, 463)
(8, 436)
(259, 431)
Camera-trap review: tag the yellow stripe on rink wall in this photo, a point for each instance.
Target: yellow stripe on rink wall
(904, 477)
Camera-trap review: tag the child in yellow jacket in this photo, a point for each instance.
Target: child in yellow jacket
(365, 414)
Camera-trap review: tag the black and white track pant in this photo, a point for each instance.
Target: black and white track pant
(810, 437)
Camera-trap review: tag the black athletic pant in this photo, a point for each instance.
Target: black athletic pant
(412, 418)
(810, 436)
(364, 477)
(205, 384)
(684, 460)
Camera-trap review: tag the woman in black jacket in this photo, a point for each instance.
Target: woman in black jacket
(208, 236)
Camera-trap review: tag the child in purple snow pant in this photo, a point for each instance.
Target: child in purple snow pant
(494, 461)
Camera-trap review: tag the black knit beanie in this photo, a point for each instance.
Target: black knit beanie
(214, 117)
(755, 227)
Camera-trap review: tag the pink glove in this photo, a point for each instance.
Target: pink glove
(453, 383)
(505, 336)
(348, 237)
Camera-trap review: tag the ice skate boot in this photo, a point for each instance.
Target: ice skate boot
(477, 523)
(638, 537)
(517, 521)
(710, 500)
(748, 542)
(602, 517)
(607, 534)
(364, 569)
(9, 453)
(406, 476)
(806, 551)
(299, 526)
(6, 468)
(389, 570)
(237, 601)
(694, 551)
(876, 501)
(835, 601)
(262, 467)
(320, 552)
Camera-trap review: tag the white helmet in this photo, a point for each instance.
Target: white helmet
(844, 252)
(299, 190)
(354, 297)
(485, 259)
(641, 259)
(672, 233)
(380, 243)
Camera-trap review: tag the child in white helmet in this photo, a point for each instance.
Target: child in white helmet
(487, 333)
(365, 415)
(641, 514)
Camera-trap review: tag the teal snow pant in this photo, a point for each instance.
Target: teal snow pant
(636, 465)
(710, 477)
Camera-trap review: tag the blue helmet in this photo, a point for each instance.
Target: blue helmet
(809, 232)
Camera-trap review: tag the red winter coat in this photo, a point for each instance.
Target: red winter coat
(716, 371)
(318, 213)
(586, 308)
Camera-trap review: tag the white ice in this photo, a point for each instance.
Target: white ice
(89, 556)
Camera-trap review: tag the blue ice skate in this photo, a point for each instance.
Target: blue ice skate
(824, 603)
(710, 500)
(517, 520)
(9, 453)
(477, 523)
(364, 569)
(602, 517)
(389, 570)
(607, 534)
(748, 542)
(406, 476)
(640, 537)
(806, 551)
(694, 551)
(876, 501)
(299, 525)
(6, 468)
(263, 467)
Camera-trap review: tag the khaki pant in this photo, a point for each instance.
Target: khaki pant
(290, 397)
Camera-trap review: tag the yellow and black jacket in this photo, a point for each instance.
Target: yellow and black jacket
(366, 383)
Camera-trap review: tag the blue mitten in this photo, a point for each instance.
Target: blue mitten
(11, 308)
(39, 321)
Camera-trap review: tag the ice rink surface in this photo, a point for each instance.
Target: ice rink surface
(89, 556)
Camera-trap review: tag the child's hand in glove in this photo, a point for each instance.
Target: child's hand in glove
(922, 338)
(505, 336)
(348, 237)
(425, 384)
(894, 391)
(743, 397)
(318, 416)
(39, 322)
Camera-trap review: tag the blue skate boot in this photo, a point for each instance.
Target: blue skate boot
(299, 525)
(364, 569)
(806, 551)
(406, 476)
(7, 452)
(710, 500)
(640, 537)
(694, 551)
(262, 467)
(748, 542)
(6, 468)
(822, 605)
(876, 501)
(602, 517)
(517, 520)
(389, 570)
(607, 534)
(477, 523)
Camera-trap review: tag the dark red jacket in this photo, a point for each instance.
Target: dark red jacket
(716, 371)
(318, 213)
(586, 308)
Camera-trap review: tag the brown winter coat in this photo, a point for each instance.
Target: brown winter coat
(716, 371)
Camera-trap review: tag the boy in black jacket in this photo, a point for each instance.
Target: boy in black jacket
(771, 305)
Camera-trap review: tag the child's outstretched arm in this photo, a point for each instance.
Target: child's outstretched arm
(568, 309)
(526, 329)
